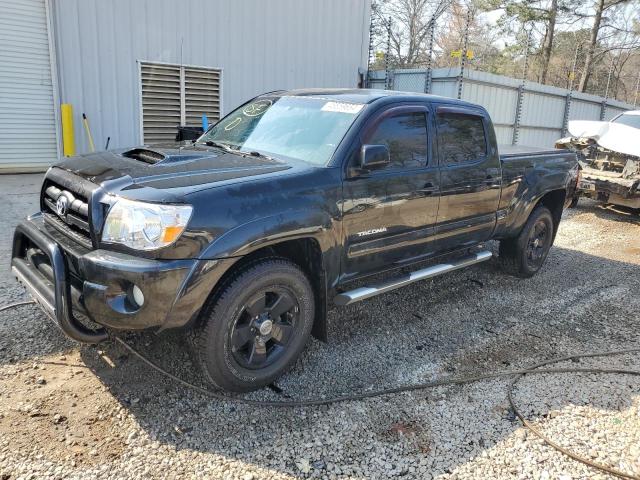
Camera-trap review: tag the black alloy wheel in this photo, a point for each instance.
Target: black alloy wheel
(263, 329)
(537, 244)
(524, 255)
(255, 326)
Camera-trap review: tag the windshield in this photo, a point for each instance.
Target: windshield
(302, 128)
(628, 119)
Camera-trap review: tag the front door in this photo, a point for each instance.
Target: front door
(389, 214)
(470, 177)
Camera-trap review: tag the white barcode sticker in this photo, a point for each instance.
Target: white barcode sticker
(342, 107)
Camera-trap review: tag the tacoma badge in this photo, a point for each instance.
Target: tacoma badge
(372, 231)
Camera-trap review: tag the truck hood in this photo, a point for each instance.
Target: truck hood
(612, 136)
(168, 166)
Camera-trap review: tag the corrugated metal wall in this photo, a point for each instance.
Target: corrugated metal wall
(27, 87)
(542, 114)
(259, 45)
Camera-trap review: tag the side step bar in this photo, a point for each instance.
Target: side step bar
(362, 293)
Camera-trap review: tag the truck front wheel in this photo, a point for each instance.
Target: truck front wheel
(255, 328)
(525, 254)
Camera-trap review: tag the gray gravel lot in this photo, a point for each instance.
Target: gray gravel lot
(96, 412)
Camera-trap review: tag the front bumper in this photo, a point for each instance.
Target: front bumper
(64, 277)
(610, 188)
(49, 284)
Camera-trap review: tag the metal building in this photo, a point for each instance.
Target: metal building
(137, 69)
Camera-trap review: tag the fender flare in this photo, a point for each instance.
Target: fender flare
(262, 232)
(228, 249)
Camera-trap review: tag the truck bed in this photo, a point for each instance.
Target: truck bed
(517, 160)
(510, 151)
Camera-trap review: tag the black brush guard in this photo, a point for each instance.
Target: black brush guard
(54, 297)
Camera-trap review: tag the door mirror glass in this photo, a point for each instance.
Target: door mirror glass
(374, 156)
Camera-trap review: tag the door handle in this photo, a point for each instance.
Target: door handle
(493, 182)
(493, 174)
(428, 189)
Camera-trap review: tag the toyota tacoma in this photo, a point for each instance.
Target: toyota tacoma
(289, 204)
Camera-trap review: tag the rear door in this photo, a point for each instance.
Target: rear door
(389, 214)
(470, 176)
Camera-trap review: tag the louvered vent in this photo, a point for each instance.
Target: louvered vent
(160, 102)
(202, 95)
(174, 95)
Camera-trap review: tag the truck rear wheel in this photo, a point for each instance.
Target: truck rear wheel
(525, 254)
(255, 328)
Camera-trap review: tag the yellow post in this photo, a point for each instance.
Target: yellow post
(66, 116)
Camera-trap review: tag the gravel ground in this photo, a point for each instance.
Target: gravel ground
(96, 412)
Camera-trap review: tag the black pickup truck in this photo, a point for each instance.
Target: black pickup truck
(288, 204)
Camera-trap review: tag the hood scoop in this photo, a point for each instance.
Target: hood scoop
(154, 156)
(145, 155)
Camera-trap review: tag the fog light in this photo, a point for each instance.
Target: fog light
(138, 296)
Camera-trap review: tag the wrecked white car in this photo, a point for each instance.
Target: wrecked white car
(609, 157)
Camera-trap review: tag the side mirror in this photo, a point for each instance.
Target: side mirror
(374, 156)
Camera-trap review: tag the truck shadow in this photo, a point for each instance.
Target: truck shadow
(40, 338)
(20, 195)
(469, 322)
(608, 212)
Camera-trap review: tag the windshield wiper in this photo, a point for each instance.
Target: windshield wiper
(255, 153)
(224, 146)
(228, 148)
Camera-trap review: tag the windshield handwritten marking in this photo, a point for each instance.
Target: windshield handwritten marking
(233, 124)
(257, 108)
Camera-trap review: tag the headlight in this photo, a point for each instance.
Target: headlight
(145, 226)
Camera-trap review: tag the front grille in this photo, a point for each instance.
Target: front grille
(67, 211)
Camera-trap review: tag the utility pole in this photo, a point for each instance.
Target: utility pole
(370, 58)
(428, 72)
(386, 55)
(463, 54)
(606, 91)
(603, 107)
(572, 75)
(520, 100)
(567, 103)
(635, 97)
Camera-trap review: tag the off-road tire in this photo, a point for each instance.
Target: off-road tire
(212, 339)
(514, 255)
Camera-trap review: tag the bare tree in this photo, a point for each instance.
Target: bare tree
(547, 45)
(411, 21)
(451, 39)
(573, 43)
(600, 23)
(542, 16)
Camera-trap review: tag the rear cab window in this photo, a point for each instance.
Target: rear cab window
(461, 138)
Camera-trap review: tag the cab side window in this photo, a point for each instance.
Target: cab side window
(406, 137)
(461, 138)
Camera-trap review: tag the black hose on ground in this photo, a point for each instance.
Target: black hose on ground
(519, 374)
(17, 304)
(547, 440)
